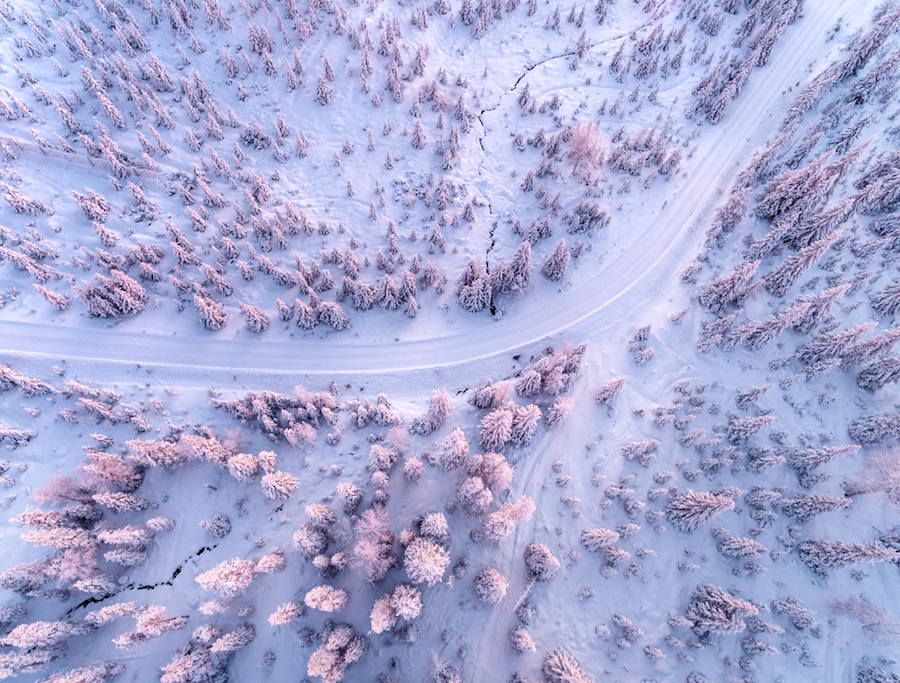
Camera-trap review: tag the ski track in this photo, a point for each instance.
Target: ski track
(636, 278)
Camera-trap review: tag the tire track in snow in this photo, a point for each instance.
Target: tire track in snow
(631, 282)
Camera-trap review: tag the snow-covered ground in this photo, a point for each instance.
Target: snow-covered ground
(197, 194)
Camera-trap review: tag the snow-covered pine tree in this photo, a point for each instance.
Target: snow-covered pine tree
(728, 216)
(499, 525)
(561, 667)
(557, 412)
(832, 344)
(609, 392)
(816, 227)
(730, 289)
(737, 547)
(687, 511)
(332, 314)
(642, 451)
(554, 267)
(878, 374)
(525, 420)
(490, 586)
(742, 429)
(745, 397)
(887, 302)
(540, 563)
(212, 313)
(779, 280)
(454, 450)
(713, 611)
(425, 561)
(756, 334)
(594, 540)
(820, 556)
(496, 428)
(805, 505)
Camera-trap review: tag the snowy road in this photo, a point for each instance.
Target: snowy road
(630, 281)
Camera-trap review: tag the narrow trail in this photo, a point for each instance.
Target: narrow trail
(630, 281)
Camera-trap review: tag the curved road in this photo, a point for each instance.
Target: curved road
(631, 281)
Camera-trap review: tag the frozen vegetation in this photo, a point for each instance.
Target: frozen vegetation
(444, 340)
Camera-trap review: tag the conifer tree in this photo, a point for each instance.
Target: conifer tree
(687, 511)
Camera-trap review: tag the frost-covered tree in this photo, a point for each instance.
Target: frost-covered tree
(742, 429)
(425, 561)
(434, 418)
(279, 485)
(454, 450)
(521, 641)
(326, 598)
(332, 314)
(554, 267)
(540, 563)
(490, 586)
(474, 496)
(730, 289)
(115, 295)
(875, 428)
(499, 525)
(832, 344)
(594, 540)
(803, 506)
(728, 216)
(496, 428)
(878, 374)
(745, 397)
(713, 611)
(779, 280)
(557, 412)
(228, 579)
(561, 667)
(642, 451)
(687, 511)
(524, 422)
(609, 392)
(212, 313)
(822, 555)
(254, 318)
(737, 547)
(373, 550)
(806, 460)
